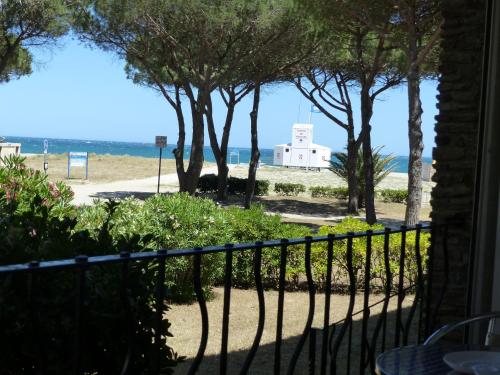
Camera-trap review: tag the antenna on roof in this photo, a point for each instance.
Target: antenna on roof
(298, 114)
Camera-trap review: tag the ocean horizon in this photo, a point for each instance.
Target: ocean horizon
(34, 145)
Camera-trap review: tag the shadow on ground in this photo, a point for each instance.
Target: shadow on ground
(346, 361)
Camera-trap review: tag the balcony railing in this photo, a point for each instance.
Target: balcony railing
(347, 346)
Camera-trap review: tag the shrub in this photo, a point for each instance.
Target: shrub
(208, 183)
(382, 166)
(262, 187)
(289, 189)
(37, 223)
(393, 195)
(378, 272)
(22, 188)
(329, 192)
(171, 222)
(255, 225)
(236, 186)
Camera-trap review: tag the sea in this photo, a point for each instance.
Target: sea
(241, 155)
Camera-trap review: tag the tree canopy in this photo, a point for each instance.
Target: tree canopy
(187, 49)
(25, 24)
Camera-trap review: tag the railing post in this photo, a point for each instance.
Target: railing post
(382, 319)
(34, 316)
(262, 308)
(348, 319)
(402, 257)
(203, 311)
(312, 352)
(227, 301)
(281, 301)
(126, 308)
(312, 290)
(418, 289)
(366, 296)
(328, 292)
(430, 270)
(160, 302)
(81, 260)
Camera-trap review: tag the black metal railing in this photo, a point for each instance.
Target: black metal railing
(349, 345)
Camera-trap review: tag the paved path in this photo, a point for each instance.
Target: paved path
(85, 193)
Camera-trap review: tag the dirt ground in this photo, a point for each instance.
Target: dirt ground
(316, 212)
(186, 328)
(102, 168)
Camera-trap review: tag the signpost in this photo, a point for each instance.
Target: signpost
(79, 159)
(45, 155)
(235, 153)
(160, 142)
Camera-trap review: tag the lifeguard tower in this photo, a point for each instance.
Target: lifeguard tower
(302, 152)
(8, 148)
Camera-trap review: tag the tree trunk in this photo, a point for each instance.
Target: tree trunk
(181, 140)
(220, 153)
(352, 177)
(369, 196)
(255, 153)
(224, 170)
(415, 138)
(196, 157)
(414, 200)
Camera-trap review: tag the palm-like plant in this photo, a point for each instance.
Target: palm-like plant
(382, 166)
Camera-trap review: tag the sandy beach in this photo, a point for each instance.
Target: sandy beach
(122, 176)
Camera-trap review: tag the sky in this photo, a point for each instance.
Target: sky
(76, 92)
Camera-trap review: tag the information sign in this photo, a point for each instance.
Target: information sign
(161, 141)
(78, 159)
(45, 156)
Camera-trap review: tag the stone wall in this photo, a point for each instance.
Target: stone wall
(456, 152)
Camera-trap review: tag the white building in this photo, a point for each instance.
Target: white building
(302, 152)
(7, 149)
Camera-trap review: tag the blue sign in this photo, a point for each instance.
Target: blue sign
(78, 159)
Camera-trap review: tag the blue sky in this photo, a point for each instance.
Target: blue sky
(81, 93)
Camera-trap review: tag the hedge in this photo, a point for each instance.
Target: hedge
(289, 189)
(329, 192)
(393, 195)
(236, 186)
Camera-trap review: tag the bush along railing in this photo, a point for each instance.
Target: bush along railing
(61, 343)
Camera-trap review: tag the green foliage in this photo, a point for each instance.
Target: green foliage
(378, 275)
(254, 225)
(382, 166)
(38, 223)
(261, 187)
(23, 188)
(393, 195)
(24, 24)
(208, 183)
(289, 189)
(329, 192)
(236, 186)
